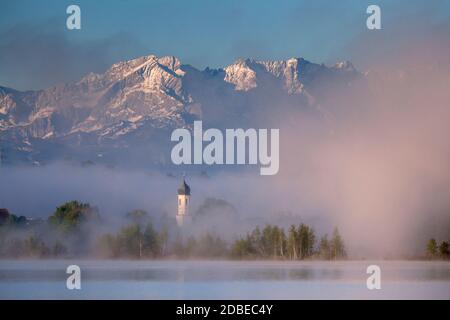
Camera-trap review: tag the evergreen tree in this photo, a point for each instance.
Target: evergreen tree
(311, 241)
(130, 241)
(305, 241)
(268, 242)
(239, 249)
(278, 241)
(151, 244)
(302, 240)
(444, 250)
(242, 248)
(337, 246)
(432, 248)
(282, 242)
(257, 241)
(324, 248)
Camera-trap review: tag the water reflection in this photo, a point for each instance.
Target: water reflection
(224, 279)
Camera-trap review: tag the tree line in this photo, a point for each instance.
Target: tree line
(74, 229)
(298, 243)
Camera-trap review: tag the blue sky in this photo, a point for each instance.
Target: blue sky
(199, 32)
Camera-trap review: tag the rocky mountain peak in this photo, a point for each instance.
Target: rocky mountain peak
(241, 75)
(133, 98)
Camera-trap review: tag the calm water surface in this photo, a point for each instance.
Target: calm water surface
(46, 279)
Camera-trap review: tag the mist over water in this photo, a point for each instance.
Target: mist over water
(224, 280)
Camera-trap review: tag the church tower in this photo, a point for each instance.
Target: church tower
(184, 195)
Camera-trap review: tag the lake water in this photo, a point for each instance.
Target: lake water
(46, 279)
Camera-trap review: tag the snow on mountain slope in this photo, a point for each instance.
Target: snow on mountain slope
(151, 92)
(294, 73)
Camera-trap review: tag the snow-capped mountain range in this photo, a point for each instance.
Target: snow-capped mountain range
(133, 106)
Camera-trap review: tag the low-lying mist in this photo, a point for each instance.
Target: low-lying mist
(377, 166)
(381, 164)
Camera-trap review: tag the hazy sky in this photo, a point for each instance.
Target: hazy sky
(36, 49)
